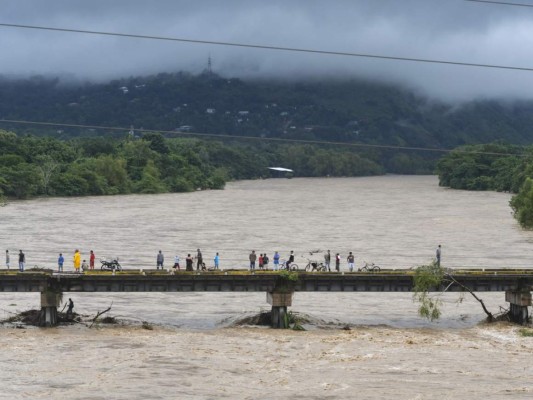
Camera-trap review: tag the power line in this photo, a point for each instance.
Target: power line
(257, 138)
(501, 3)
(266, 47)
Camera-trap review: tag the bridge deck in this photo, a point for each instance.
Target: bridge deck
(244, 281)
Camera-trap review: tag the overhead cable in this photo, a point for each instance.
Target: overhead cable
(259, 138)
(277, 48)
(504, 3)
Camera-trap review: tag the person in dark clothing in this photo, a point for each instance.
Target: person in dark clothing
(22, 261)
(188, 263)
(252, 257)
(160, 259)
(290, 260)
(199, 260)
(70, 308)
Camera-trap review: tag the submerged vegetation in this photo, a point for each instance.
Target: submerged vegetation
(428, 277)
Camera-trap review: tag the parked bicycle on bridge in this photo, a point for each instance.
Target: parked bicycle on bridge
(369, 268)
(315, 266)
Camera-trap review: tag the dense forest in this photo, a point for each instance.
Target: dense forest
(343, 110)
(496, 166)
(34, 166)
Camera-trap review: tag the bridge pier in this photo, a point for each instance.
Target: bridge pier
(279, 302)
(49, 303)
(519, 300)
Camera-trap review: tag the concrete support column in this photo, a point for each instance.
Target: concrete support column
(520, 300)
(49, 303)
(279, 303)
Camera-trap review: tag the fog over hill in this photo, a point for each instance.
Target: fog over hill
(355, 111)
(454, 30)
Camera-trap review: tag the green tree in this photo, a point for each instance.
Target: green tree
(114, 171)
(150, 181)
(434, 277)
(21, 181)
(70, 184)
(137, 153)
(47, 167)
(156, 142)
(522, 204)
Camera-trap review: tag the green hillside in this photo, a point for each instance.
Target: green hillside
(352, 111)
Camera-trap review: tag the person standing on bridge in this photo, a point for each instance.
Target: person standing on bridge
(22, 261)
(276, 261)
(176, 262)
(199, 260)
(188, 263)
(338, 262)
(253, 258)
(327, 260)
(350, 260)
(437, 254)
(265, 261)
(160, 259)
(91, 260)
(7, 259)
(60, 262)
(77, 260)
(217, 261)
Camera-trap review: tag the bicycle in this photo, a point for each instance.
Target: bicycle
(283, 265)
(314, 266)
(370, 268)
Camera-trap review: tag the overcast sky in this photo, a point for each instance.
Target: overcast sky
(454, 30)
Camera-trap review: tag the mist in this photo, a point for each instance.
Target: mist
(453, 30)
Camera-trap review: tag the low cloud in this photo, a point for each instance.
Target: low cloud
(454, 30)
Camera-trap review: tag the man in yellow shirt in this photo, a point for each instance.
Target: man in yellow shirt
(77, 260)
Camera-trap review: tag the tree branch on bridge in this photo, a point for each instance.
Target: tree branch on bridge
(490, 316)
(430, 277)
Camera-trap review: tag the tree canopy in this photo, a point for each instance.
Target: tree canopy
(36, 166)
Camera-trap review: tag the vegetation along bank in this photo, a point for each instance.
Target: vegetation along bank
(39, 166)
(496, 166)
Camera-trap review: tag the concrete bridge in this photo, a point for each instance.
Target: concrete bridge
(279, 287)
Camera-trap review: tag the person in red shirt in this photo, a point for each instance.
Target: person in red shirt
(91, 260)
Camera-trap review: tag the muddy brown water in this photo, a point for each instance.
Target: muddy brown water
(195, 352)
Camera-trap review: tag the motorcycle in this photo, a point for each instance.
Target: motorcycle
(112, 265)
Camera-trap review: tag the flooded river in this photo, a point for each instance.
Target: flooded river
(195, 352)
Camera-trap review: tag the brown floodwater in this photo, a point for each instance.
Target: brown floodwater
(194, 351)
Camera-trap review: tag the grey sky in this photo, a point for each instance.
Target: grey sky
(433, 29)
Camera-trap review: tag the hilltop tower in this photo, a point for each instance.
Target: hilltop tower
(209, 65)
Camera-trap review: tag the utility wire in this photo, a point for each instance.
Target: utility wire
(265, 47)
(258, 138)
(504, 3)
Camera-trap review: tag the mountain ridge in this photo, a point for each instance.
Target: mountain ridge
(335, 110)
